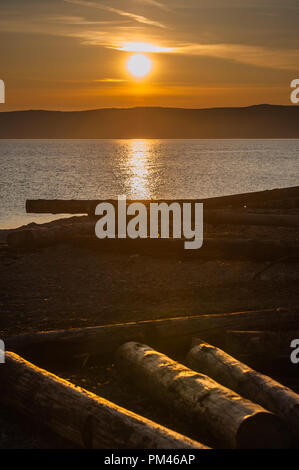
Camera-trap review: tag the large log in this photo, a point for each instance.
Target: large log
(247, 218)
(172, 334)
(77, 415)
(58, 206)
(247, 382)
(213, 248)
(234, 421)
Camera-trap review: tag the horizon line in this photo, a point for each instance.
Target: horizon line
(116, 108)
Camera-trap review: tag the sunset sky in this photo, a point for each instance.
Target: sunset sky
(72, 54)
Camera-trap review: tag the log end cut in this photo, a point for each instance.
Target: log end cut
(262, 431)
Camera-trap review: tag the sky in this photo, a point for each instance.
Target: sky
(72, 54)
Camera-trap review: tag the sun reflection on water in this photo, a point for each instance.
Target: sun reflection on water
(138, 165)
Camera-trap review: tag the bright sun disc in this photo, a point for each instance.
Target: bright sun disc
(139, 65)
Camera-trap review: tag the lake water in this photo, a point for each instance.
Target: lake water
(139, 169)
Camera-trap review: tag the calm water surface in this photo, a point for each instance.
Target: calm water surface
(139, 169)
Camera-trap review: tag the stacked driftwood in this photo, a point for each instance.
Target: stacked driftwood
(207, 388)
(237, 209)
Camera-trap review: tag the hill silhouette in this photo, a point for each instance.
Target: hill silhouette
(259, 121)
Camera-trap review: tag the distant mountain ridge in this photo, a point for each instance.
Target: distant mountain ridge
(258, 121)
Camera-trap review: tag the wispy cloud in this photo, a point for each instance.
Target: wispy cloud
(110, 80)
(124, 36)
(132, 16)
(154, 3)
(87, 81)
(79, 21)
(252, 55)
(141, 47)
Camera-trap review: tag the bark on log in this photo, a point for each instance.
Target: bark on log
(233, 420)
(168, 335)
(247, 382)
(247, 218)
(58, 206)
(77, 415)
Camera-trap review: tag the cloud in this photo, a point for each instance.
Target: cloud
(79, 21)
(123, 36)
(141, 47)
(154, 3)
(252, 55)
(110, 80)
(133, 16)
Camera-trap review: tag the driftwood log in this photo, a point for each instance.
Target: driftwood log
(247, 218)
(247, 382)
(58, 206)
(168, 335)
(213, 248)
(78, 415)
(234, 421)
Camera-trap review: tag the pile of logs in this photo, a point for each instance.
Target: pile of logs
(228, 210)
(212, 392)
(170, 360)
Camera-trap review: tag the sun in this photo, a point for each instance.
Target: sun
(139, 65)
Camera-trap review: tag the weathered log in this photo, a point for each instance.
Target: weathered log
(168, 335)
(213, 248)
(77, 415)
(247, 218)
(247, 382)
(58, 206)
(231, 419)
